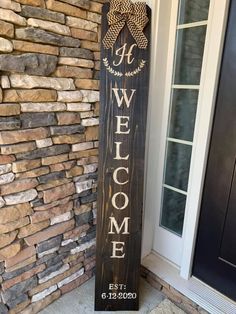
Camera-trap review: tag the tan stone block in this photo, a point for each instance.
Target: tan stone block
(54, 159)
(86, 153)
(5, 82)
(10, 16)
(24, 263)
(75, 232)
(68, 139)
(92, 16)
(53, 204)
(8, 238)
(83, 34)
(58, 192)
(14, 213)
(49, 26)
(20, 307)
(96, 110)
(76, 171)
(34, 95)
(13, 225)
(52, 184)
(33, 173)
(39, 305)
(33, 228)
(92, 133)
(18, 148)
(50, 232)
(11, 5)
(5, 45)
(87, 84)
(24, 165)
(55, 280)
(18, 186)
(50, 213)
(6, 29)
(10, 251)
(68, 71)
(65, 8)
(95, 7)
(75, 22)
(12, 137)
(36, 3)
(67, 118)
(83, 63)
(23, 255)
(90, 45)
(74, 284)
(43, 107)
(74, 259)
(82, 146)
(81, 107)
(83, 209)
(97, 65)
(6, 159)
(24, 276)
(62, 166)
(26, 46)
(97, 55)
(9, 110)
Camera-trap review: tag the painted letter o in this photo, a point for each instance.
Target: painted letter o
(113, 200)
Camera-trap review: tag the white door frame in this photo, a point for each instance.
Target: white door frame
(161, 79)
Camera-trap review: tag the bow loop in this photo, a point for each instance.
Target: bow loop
(125, 12)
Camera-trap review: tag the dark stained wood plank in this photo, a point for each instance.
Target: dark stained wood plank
(121, 271)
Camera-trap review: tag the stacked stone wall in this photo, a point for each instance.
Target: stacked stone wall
(49, 108)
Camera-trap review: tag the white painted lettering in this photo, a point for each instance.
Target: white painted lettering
(121, 124)
(117, 247)
(126, 200)
(115, 174)
(124, 96)
(125, 225)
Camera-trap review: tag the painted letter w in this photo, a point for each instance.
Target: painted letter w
(121, 96)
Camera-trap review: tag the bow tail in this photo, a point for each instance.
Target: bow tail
(112, 34)
(138, 35)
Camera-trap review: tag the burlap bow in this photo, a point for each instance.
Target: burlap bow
(125, 12)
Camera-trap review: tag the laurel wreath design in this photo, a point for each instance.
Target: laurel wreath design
(127, 74)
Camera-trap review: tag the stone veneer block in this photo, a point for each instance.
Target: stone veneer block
(49, 26)
(83, 63)
(58, 192)
(6, 29)
(13, 213)
(84, 4)
(26, 46)
(82, 24)
(34, 95)
(9, 109)
(11, 5)
(42, 107)
(50, 232)
(10, 16)
(11, 226)
(76, 53)
(41, 13)
(65, 8)
(29, 82)
(11, 137)
(5, 45)
(42, 36)
(8, 238)
(21, 197)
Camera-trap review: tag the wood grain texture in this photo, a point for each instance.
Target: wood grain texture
(121, 271)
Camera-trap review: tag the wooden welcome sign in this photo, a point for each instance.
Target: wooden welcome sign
(123, 114)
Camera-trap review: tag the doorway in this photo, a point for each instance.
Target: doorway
(215, 255)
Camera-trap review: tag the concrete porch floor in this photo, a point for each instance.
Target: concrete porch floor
(81, 300)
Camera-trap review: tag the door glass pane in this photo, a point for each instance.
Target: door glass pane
(173, 211)
(183, 115)
(193, 11)
(177, 165)
(190, 48)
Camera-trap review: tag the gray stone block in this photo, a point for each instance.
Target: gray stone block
(29, 63)
(10, 123)
(84, 218)
(52, 176)
(50, 270)
(43, 14)
(33, 120)
(45, 152)
(71, 129)
(76, 53)
(89, 199)
(17, 290)
(78, 3)
(3, 309)
(10, 275)
(41, 36)
(49, 244)
(13, 303)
